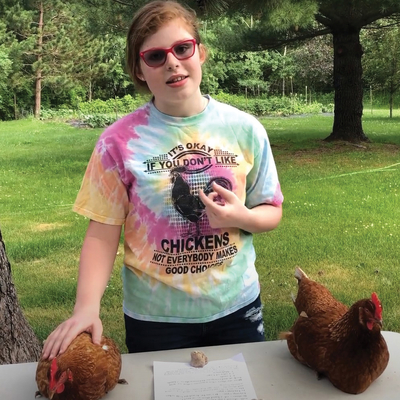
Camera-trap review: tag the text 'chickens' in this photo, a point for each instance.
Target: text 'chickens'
(203, 242)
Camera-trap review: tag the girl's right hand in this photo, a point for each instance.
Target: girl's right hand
(97, 259)
(59, 340)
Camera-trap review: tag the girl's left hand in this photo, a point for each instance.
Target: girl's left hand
(223, 207)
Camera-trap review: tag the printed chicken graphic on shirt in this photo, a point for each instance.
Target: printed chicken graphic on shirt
(186, 202)
(86, 371)
(344, 344)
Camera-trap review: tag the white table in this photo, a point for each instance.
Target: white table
(275, 374)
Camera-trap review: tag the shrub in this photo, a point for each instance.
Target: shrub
(274, 105)
(56, 114)
(99, 113)
(120, 106)
(98, 120)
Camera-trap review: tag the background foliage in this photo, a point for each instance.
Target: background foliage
(82, 54)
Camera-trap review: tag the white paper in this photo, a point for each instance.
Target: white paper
(217, 380)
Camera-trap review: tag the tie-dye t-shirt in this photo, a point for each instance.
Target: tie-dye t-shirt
(145, 173)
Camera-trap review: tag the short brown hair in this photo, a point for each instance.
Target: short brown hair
(145, 23)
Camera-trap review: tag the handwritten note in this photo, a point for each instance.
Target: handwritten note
(218, 380)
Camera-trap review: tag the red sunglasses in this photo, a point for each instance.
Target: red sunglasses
(157, 57)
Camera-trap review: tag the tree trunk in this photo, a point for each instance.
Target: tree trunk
(90, 91)
(18, 342)
(347, 75)
(15, 107)
(283, 79)
(38, 88)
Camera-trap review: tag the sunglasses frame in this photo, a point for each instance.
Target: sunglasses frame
(167, 51)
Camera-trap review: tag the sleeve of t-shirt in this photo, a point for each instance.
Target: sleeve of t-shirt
(263, 185)
(103, 196)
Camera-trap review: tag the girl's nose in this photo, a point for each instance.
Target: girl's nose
(171, 61)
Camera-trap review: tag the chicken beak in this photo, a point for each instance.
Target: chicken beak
(51, 393)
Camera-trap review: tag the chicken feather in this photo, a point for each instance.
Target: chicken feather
(314, 298)
(89, 371)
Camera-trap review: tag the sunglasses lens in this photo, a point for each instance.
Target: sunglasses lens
(154, 58)
(183, 50)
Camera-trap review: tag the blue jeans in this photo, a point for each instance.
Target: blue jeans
(242, 326)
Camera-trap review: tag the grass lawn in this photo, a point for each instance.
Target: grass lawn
(341, 220)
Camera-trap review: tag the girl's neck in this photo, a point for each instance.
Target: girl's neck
(187, 108)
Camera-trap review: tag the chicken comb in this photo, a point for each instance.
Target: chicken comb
(378, 305)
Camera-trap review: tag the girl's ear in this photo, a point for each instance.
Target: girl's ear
(202, 53)
(140, 75)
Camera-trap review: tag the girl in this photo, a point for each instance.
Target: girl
(190, 179)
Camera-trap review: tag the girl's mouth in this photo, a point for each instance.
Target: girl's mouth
(177, 79)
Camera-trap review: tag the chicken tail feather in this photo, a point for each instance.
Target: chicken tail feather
(284, 335)
(299, 274)
(303, 314)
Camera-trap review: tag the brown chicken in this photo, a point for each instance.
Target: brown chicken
(84, 372)
(345, 345)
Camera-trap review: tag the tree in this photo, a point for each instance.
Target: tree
(12, 79)
(56, 49)
(111, 65)
(233, 70)
(300, 19)
(5, 67)
(313, 64)
(382, 60)
(18, 342)
(111, 16)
